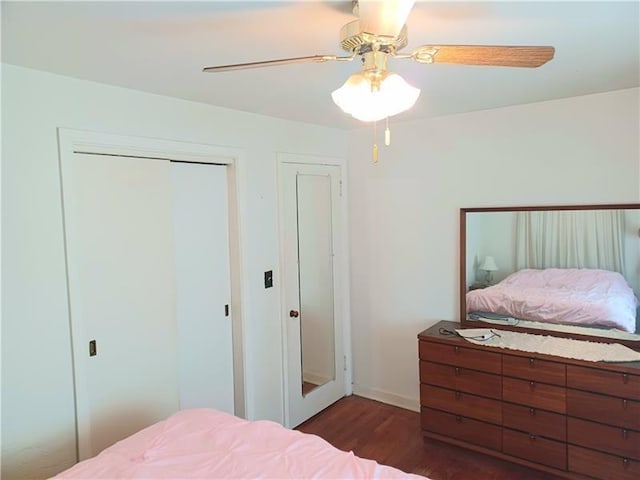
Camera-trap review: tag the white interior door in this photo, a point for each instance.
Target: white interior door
(203, 296)
(119, 235)
(148, 269)
(313, 324)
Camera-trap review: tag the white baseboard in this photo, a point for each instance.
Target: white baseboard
(387, 397)
(315, 378)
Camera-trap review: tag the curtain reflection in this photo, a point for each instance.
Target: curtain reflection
(571, 239)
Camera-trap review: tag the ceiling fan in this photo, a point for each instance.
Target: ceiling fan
(380, 32)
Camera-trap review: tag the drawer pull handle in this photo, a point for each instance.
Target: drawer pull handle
(457, 395)
(531, 362)
(458, 419)
(457, 371)
(625, 378)
(625, 463)
(532, 412)
(625, 404)
(625, 434)
(532, 438)
(532, 385)
(456, 349)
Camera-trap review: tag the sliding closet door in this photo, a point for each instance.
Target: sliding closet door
(203, 293)
(120, 250)
(148, 269)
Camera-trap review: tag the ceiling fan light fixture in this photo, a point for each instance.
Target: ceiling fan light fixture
(371, 98)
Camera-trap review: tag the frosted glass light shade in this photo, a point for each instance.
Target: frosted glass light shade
(358, 98)
(489, 264)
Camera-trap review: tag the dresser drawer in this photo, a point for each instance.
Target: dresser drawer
(535, 421)
(461, 357)
(461, 403)
(534, 448)
(615, 411)
(530, 368)
(534, 394)
(462, 428)
(462, 379)
(620, 384)
(600, 465)
(615, 440)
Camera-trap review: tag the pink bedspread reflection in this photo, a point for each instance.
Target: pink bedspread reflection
(573, 296)
(205, 443)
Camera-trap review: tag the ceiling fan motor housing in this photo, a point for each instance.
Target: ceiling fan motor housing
(374, 67)
(354, 40)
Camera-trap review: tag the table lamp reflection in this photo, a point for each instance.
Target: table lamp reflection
(489, 266)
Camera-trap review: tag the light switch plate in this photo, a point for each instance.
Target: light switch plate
(268, 279)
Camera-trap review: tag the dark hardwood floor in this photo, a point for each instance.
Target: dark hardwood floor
(308, 387)
(392, 436)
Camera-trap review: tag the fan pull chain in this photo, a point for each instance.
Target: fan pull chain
(375, 144)
(387, 134)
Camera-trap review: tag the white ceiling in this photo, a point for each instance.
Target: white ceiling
(161, 47)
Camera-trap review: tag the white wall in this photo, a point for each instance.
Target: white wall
(38, 437)
(404, 227)
(404, 211)
(490, 234)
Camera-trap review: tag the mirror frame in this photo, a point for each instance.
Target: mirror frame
(466, 323)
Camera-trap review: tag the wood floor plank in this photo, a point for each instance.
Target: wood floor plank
(392, 436)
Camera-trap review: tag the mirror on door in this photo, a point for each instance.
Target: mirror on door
(315, 270)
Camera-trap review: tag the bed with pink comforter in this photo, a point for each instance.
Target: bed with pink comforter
(206, 443)
(571, 296)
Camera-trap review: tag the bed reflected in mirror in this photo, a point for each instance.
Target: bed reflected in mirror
(566, 270)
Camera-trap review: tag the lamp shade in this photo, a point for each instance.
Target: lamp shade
(489, 264)
(363, 101)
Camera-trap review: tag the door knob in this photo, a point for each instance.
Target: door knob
(294, 314)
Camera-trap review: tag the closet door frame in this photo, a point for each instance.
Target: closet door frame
(72, 142)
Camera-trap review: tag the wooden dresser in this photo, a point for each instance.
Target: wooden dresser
(573, 418)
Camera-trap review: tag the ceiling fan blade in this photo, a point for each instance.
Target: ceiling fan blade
(384, 17)
(501, 56)
(273, 63)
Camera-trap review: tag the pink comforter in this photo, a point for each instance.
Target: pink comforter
(574, 296)
(205, 443)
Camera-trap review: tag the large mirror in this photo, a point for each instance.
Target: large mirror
(564, 270)
(315, 276)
